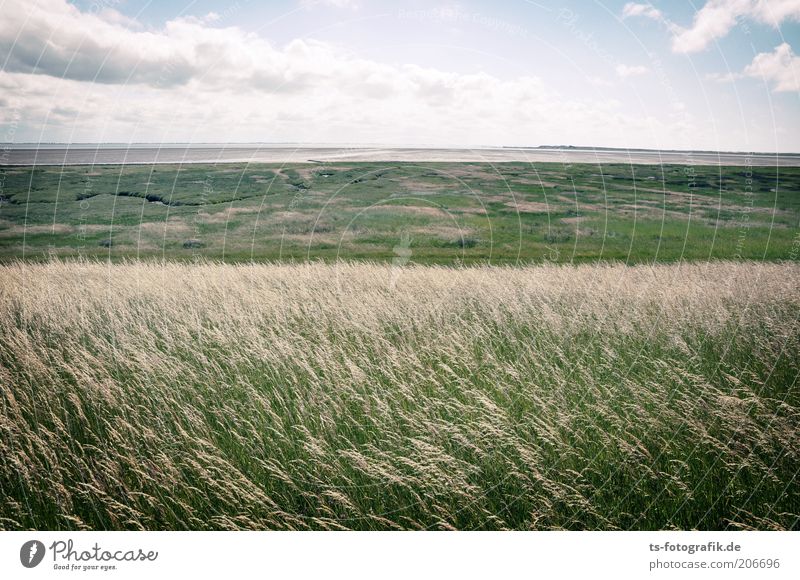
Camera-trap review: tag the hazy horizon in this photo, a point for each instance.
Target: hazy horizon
(356, 145)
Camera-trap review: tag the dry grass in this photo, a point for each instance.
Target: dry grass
(377, 397)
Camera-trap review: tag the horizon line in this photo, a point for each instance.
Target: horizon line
(310, 144)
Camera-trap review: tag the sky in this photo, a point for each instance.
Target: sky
(718, 75)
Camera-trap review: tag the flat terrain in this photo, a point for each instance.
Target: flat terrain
(358, 396)
(427, 213)
(81, 154)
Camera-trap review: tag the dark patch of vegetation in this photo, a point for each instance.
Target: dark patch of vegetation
(466, 242)
(558, 236)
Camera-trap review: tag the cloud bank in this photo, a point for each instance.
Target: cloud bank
(99, 77)
(74, 76)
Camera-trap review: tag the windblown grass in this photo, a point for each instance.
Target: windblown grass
(359, 396)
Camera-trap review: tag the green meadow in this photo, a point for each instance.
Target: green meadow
(427, 213)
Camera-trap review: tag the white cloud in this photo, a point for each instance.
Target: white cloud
(773, 12)
(73, 76)
(716, 19)
(55, 38)
(115, 17)
(624, 71)
(646, 10)
(780, 67)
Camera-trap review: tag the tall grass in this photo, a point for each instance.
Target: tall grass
(360, 396)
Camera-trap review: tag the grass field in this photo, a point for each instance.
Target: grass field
(368, 396)
(427, 213)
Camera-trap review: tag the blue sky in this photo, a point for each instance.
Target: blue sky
(708, 75)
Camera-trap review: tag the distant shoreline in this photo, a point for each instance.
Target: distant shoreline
(289, 145)
(175, 153)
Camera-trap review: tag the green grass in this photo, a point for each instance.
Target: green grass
(452, 212)
(425, 346)
(359, 396)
